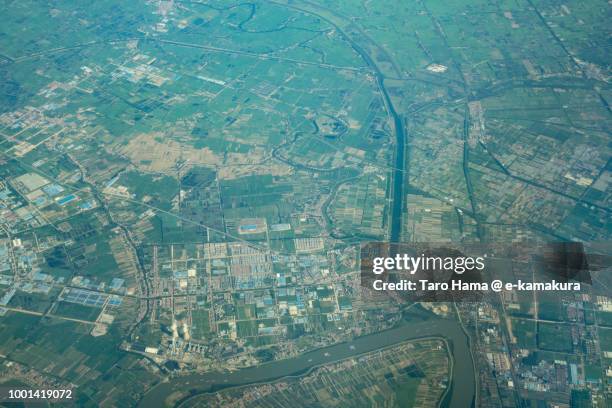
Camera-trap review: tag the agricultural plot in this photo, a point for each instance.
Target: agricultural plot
(184, 186)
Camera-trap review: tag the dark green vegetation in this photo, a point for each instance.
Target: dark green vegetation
(554, 337)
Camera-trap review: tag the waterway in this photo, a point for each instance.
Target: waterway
(460, 394)
(399, 170)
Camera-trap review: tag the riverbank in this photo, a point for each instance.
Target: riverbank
(461, 388)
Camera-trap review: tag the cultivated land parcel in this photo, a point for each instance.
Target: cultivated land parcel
(184, 186)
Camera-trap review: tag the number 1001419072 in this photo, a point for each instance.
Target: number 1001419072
(25, 394)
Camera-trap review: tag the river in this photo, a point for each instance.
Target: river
(462, 384)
